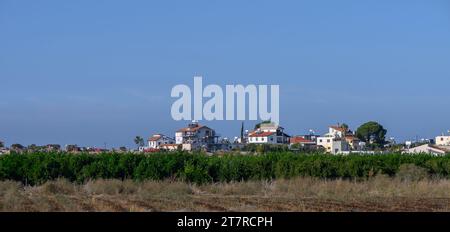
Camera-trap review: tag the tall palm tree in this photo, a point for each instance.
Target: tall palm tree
(139, 141)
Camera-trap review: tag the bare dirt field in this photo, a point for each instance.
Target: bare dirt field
(379, 193)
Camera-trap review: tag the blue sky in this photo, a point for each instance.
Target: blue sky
(95, 72)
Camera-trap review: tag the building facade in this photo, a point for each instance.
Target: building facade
(443, 140)
(335, 141)
(268, 133)
(195, 137)
(157, 140)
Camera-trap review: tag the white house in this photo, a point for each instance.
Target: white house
(169, 147)
(157, 140)
(268, 133)
(195, 136)
(335, 140)
(429, 149)
(262, 137)
(443, 140)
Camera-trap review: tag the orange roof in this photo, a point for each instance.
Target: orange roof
(351, 137)
(260, 134)
(300, 140)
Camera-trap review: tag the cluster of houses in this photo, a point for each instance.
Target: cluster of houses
(199, 137)
(195, 136)
(440, 146)
(54, 148)
(338, 140)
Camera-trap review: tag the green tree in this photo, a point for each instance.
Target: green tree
(372, 133)
(32, 148)
(17, 147)
(139, 141)
(346, 129)
(2, 144)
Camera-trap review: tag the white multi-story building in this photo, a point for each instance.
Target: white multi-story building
(157, 140)
(195, 136)
(268, 133)
(334, 141)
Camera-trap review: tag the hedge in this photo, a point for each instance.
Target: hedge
(36, 168)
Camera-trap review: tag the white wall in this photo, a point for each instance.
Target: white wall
(443, 140)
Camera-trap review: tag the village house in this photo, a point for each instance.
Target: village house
(302, 141)
(157, 140)
(53, 147)
(169, 147)
(335, 141)
(3, 149)
(429, 149)
(443, 140)
(73, 148)
(268, 133)
(354, 142)
(195, 137)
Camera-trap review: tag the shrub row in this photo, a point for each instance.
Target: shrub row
(35, 168)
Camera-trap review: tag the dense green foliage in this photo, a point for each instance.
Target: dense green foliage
(35, 168)
(372, 133)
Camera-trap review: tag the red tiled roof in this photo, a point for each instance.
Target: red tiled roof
(261, 134)
(300, 140)
(155, 137)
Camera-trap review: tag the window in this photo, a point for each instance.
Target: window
(320, 140)
(328, 141)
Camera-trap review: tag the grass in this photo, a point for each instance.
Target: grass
(378, 193)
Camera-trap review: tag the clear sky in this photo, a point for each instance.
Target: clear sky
(89, 72)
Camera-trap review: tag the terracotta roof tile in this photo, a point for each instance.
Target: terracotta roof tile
(300, 140)
(261, 134)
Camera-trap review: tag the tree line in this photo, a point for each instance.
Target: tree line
(35, 168)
